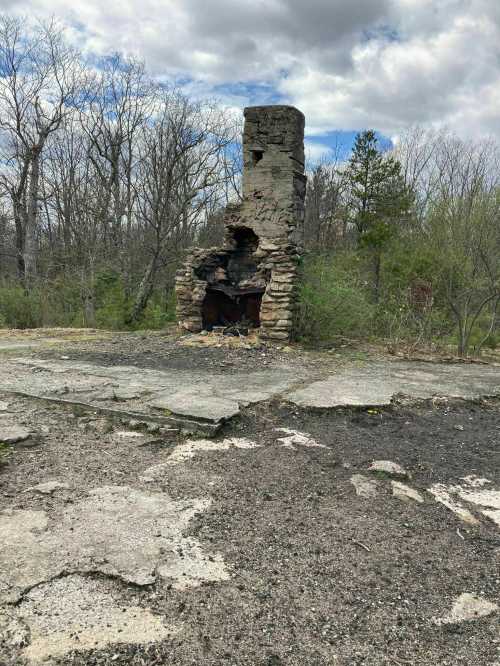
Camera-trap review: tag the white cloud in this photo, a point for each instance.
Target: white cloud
(347, 64)
(316, 151)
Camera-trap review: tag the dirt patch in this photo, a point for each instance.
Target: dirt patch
(174, 357)
(158, 351)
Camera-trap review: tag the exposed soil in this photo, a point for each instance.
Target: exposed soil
(319, 575)
(172, 352)
(165, 356)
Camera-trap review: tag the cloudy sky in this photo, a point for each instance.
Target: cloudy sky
(347, 64)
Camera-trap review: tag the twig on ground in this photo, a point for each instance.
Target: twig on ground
(361, 545)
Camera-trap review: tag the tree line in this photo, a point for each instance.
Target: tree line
(107, 177)
(105, 174)
(406, 242)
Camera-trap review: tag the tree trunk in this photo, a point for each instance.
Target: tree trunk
(89, 316)
(377, 260)
(462, 340)
(19, 214)
(30, 250)
(144, 292)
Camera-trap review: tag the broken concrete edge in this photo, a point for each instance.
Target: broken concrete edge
(202, 426)
(196, 426)
(397, 400)
(84, 573)
(184, 425)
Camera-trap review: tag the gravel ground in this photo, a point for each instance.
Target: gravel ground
(318, 575)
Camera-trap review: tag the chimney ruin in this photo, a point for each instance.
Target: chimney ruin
(250, 281)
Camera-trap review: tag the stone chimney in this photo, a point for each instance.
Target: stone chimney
(251, 280)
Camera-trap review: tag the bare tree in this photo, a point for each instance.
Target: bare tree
(121, 105)
(74, 196)
(463, 229)
(182, 171)
(326, 220)
(41, 81)
(416, 150)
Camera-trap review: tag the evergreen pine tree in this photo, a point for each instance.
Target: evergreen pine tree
(379, 199)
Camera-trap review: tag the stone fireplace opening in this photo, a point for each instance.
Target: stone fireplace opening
(250, 281)
(226, 307)
(235, 283)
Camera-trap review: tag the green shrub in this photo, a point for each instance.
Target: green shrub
(157, 316)
(20, 309)
(112, 306)
(110, 300)
(61, 303)
(5, 451)
(333, 301)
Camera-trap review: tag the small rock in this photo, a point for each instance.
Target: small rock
(405, 493)
(390, 468)
(153, 428)
(458, 427)
(294, 437)
(48, 487)
(274, 660)
(467, 607)
(128, 434)
(364, 486)
(13, 434)
(4, 406)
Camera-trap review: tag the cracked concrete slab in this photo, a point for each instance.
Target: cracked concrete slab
(188, 449)
(80, 613)
(208, 397)
(376, 384)
(214, 397)
(266, 502)
(117, 530)
(198, 405)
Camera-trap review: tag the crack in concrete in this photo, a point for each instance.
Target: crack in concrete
(118, 530)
